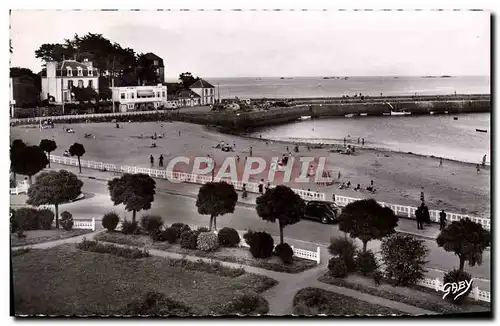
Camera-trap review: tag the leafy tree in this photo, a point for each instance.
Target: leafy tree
(48, 145)
(78, 150)
(404, 258)
(367, 220)
(467, 239)
(54, 188)
(135, 191)
(283, 204)
(15, 155)
(187, 79)
(216, 198)
(54, 52)
(28, 160)
(85, 94)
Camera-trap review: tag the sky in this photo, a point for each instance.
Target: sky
(275, 43)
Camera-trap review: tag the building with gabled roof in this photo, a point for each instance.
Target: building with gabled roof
(205, 90)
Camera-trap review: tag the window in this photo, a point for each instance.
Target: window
(69, 72)
(155, 63)
(132, 95)
(90, 71)
(212, 91)
(70, 84)
(91, 83)
(80, 83)
(157, 94)
(122, 96)
(163, 94)
(80, 71)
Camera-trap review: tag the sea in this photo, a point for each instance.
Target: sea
(438, 135)
(335, 86)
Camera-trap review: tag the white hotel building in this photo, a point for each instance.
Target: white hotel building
(60, 77)
(140, 98)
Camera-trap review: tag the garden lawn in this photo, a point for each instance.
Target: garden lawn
(428, 299)
(68, 281)
(314, 301)
(38, 236)
(237, 255)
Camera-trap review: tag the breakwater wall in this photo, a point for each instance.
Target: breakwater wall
(239, 121)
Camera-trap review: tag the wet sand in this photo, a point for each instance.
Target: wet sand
(398, 177)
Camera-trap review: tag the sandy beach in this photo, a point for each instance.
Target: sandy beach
(398, 177)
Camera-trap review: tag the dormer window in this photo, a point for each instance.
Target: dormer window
(69, 71)
(155, 62)
(90, 71)
(80, 71)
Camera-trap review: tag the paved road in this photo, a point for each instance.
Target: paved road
(182, 208)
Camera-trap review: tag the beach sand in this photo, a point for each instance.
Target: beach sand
(398, 177)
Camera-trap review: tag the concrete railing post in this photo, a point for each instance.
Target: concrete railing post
(318, 255)
(93, 223)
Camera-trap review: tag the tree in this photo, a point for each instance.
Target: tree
(135, 191)
(84, 94)
(404, 258)
(367, 220)
(187, 79)
(283, 204)
(54, 188)
(15, 155)
(467, 239)
(48, 145)
(216, 198)
(78, 150)
(28, 160)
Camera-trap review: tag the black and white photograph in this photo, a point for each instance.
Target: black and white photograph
(210, 163)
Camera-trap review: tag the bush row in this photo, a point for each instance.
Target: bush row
(95, 246)
(27, 219)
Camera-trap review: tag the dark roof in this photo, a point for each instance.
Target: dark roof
(73, 64)
(152, 56)
(202, 84)
(74, 69)
(186, 93)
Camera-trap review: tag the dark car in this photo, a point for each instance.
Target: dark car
(322, 211)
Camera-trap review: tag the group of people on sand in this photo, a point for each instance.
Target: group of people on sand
(347, 185)
(152, 161)
(422, 216)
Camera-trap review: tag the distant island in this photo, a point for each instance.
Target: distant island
(443, 76)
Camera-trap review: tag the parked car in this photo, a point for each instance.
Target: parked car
(322, 211)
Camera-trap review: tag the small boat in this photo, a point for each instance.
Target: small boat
(455, 118)
(445, 112)
(400, 113)
(363, 114)
(386, 113)
(481, 130)
(350, 115)
(305, 117)
(431, 113)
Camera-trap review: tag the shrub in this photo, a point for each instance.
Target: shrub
(156, 304)
(404, 258)
(170, 235)
(310, 298)
(228, 237)
(345, 249)
(26, 218)
(151, 223)
(248, 236)
(207, 267)
(110, 221)
(158, 236)
(207, 241)
(285, 252)
(202, 229)
(185, 236)
(45, 218)
(377, 277)
(366, 262)
(261, 245)
(95, 246)
(67, 221)
(181, 226)
(193, 240)
(337, 267)
(456, 276)
(248, 303)
(129, 227)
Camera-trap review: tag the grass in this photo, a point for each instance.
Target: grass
(18, 252)
(422, 299)
(234, 255)
(39, 236)
(95, 246)
(313, 301)
(68, 281)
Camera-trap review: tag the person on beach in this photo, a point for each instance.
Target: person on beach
(344, 141)
(333, 197)
(442, 220)
(358, 140)
(237, 158)
(296, 149)
(426, 215)
(261, 186)
(342, 186)
(348, 184)
(234, 144)
(441, 162)
(422, 198)
(179, 133)
(483, 164)
(268, 186)
(478, 169)
(358, 187)
(244, 193)
(151, 160)
(338, 176)
(287, 149)
(251, 151)
(362, 141)
(160, 161)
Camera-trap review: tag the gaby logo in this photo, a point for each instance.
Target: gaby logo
(458, 288)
